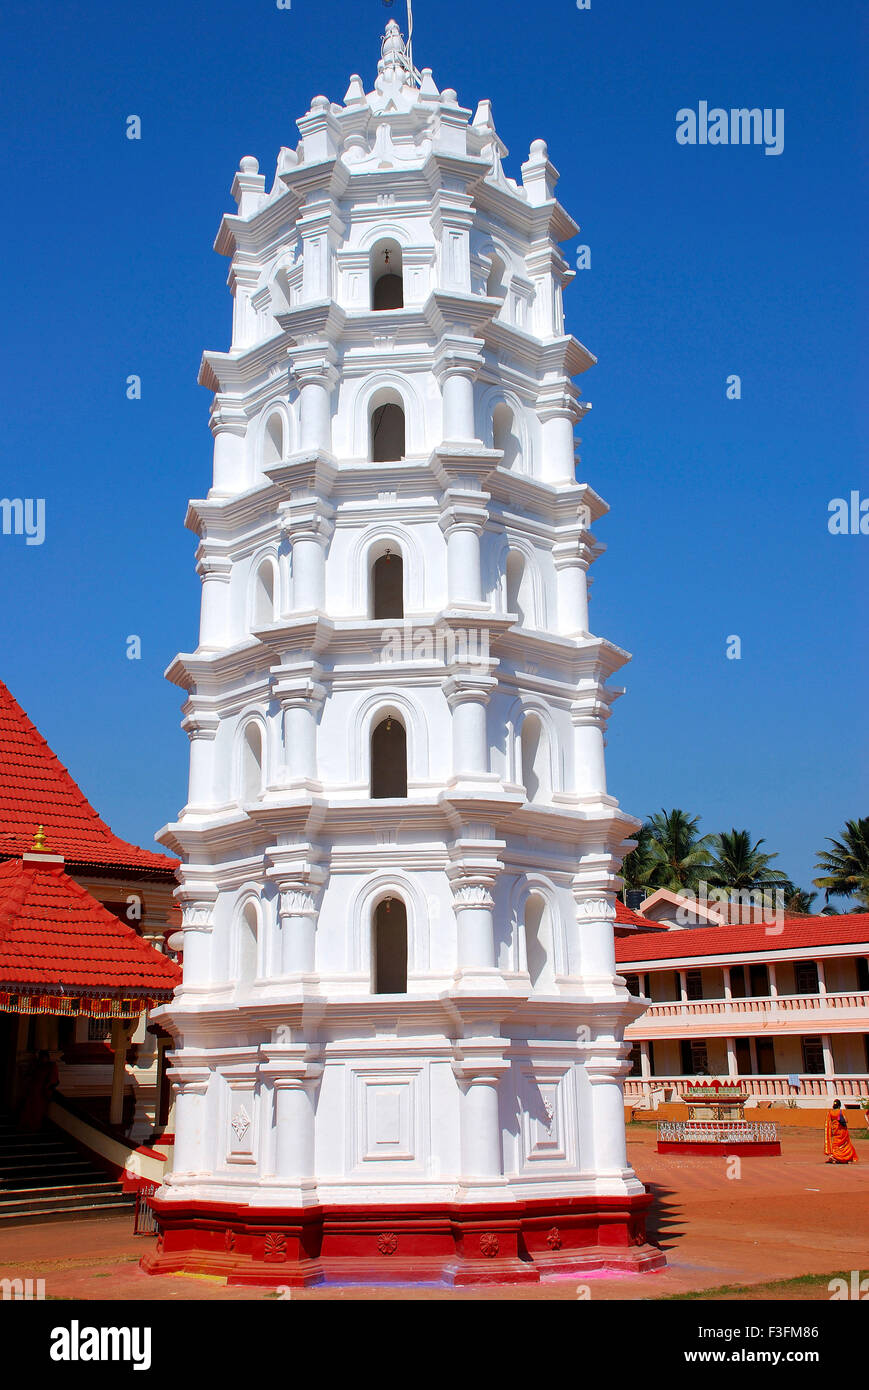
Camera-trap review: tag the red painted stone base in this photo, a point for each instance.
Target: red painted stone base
(512, 1243)
(748, 1149)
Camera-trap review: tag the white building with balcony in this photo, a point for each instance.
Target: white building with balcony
(784, 1007)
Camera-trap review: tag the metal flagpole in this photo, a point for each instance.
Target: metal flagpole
(410, 36)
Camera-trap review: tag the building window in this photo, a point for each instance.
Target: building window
(389, 759)
(99, 1029)
(633, 984)
(387, 276)
(758, 981)
(862, 973)
(694, 1057)
(387, 586)
(737, 981)
(694, 984)
(806, 977)
(387, 432)
(635, 1059)
(766, 1057)
(390, 947)
(813, 1056)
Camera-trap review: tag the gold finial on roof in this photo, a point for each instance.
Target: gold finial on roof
(39, 846)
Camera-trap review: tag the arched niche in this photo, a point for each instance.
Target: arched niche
(386, 275)
(388, 759)
(386, 427)
(389, 947)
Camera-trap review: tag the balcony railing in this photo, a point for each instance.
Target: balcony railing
(762, 1087)
(857, 1001)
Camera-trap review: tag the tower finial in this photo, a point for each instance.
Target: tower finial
(394, 52)
(38, 846)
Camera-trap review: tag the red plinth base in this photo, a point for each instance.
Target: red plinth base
(491, 1244)
(746, 1148)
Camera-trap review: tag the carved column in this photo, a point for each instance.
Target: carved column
(309, 526)
(468, 695)
(316, 378)
(589, 714)
(463, 524)
(298, 912)
(201, 728)
(301, 701)
(557, 411)
(595, 915)
(572, 559)
(197, 925)
(215, 572)
(472, 874)
(229, 427)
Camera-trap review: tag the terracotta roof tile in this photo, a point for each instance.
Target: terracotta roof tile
(36, 789)
(53, 933)
(797, 933)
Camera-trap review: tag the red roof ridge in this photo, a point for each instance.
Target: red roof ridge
(36, 788)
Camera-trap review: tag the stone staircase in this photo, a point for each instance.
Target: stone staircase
(43, 1177)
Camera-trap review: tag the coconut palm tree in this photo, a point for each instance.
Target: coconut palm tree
(639, 863)
(798, 903)
(680, 855)
(844, 870)
(741, 865)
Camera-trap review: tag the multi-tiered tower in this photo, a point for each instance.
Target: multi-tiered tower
(399, 1037)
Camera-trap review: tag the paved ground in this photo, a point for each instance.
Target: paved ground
(781, 1217)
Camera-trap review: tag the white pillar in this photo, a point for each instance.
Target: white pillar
(315, 410)
(201, 728)
(571, 569)
(463, 525)
(732, 1068)
(309, 527)
(294, 1117)
(728, 988)
(589, 715)
(478, 1068)
(468, 695)
(230, 464)
(822, 978)
(190, 1085)
(683, 986)
(301, 702)
(458, 406)
(214, 625)
(829, 1065)
(606, 1074)
(298, 917)
(773, 983)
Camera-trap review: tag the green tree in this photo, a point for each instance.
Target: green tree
(844, 870)
(680, 856)
(638, 863)
(798, 903)
(741, 865)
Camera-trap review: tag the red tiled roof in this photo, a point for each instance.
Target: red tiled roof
(797, 933)
(625, 916)
(36, 789)
(53, 933)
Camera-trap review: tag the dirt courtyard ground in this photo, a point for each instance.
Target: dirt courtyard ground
(780, 1218)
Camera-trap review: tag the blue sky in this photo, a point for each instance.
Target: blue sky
(706, 261)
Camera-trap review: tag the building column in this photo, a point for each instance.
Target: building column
(120, 1042)
(558, 411)
(201, 729)
(728, 986)
(589, 714)
(683, 985)
(294, 1070)
(468, 695)
(463, 525)
(190, 1086)
(298, 914)
(752, 1048)
(301, 701)
(773, 983)
(472, 873)
(478, 1067)
(309, 526)
(197, 925)
(572, 559)
(606, 1071)
(732, 1068)
(214, 572)
(822, 978)
(315, 377)
(829, 1065)
(229, 428)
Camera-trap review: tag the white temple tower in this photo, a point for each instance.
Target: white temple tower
(399, 1040)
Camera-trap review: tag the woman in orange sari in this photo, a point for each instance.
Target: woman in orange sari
(837, 1141)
